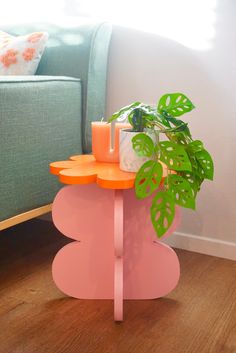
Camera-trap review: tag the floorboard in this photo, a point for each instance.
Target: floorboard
(199, 316)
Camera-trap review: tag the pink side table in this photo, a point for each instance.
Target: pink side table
(116, 254)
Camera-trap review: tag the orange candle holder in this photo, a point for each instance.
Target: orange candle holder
(106, 140)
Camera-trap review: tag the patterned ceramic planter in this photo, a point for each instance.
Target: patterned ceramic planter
(129, 161)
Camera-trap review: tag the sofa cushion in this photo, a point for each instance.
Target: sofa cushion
(40, 122)
(20, 55)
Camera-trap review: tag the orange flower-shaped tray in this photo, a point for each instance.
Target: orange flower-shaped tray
(84, 169)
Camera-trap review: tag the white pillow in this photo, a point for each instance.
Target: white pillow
(21, 55)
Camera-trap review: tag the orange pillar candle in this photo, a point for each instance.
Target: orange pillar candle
(101, 141)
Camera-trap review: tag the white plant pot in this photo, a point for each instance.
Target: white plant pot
(129, 161)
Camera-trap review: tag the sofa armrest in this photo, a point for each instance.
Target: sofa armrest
(80, 52)
(40, 122)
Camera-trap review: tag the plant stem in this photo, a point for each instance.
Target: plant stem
(157, 140)
(167, 179)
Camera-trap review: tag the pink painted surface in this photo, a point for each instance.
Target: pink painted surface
(85, 268)
(119, 252)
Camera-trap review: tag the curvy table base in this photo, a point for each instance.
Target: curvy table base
(132, 264)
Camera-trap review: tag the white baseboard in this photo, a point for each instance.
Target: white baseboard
(203, 245)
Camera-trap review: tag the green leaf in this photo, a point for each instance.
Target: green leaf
(136, 119)
(181, 190)
(143, 145)
(163, 120)
(149, 111)
(162, 212)
(148, 179)
(123, 111)
(195, 146)
(142, 117)
(179, 123)
(174, 104)
(179, 128)
(194, 180)
(179, 138)
(174, 156)
(196, 167)
(206, 162)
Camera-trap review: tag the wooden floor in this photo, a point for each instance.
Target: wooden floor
(198, 317)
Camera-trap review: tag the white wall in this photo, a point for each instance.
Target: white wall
(144, 66)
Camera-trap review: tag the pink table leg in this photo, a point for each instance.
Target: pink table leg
(118, 246)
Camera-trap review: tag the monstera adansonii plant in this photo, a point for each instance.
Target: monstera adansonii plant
(188, 162)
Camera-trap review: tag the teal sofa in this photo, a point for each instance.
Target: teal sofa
(47, 117)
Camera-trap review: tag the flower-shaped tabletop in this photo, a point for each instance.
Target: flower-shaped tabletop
(84, 169)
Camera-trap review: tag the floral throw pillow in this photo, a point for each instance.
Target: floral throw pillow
(21, 55)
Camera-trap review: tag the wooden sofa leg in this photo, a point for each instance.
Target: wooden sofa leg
(25, 216)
